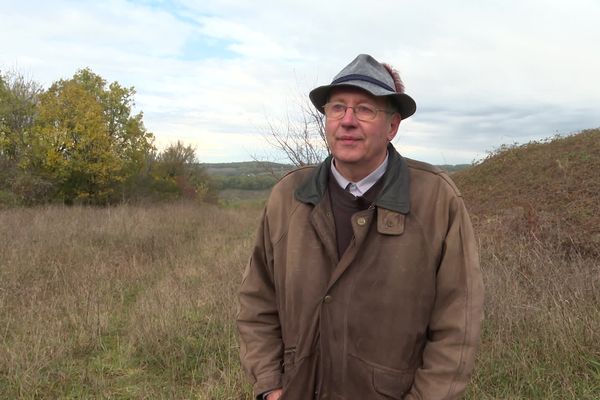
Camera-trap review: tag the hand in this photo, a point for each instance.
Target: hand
(275, 394)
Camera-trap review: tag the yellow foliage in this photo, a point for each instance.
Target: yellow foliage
(72, 142)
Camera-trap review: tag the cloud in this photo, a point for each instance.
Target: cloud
(214, 73)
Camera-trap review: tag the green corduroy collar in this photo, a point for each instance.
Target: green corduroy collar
(394, 195)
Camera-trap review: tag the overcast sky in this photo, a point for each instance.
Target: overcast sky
(214, 73)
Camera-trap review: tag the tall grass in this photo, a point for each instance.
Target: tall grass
(124, 302)
(541, 336)
(139, 303)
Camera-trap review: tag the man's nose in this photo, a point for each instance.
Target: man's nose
(349, 117)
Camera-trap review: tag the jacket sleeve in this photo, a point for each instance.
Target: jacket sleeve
(261, 349)
(455, 323)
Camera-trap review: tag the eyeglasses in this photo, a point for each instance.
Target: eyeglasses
(362, 112)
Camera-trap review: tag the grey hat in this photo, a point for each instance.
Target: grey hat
(366, 73)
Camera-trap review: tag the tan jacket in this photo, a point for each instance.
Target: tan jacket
(397, 317)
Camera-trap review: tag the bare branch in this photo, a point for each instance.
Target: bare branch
(303, 140)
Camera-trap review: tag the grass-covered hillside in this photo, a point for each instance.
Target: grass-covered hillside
(550, 189)
(535, 209)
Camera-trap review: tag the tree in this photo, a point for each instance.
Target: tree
(79, 141)
(19, 99)
(128, 135)
(301, 139)
(86, 140)
(72, 146)
(177, 166)
(176, 159)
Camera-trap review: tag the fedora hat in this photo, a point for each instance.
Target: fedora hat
(368, 74)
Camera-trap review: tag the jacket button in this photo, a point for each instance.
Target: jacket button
(361, 221)
(327, 299)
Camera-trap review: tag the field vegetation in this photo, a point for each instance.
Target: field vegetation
(138, 302)
(80, 142)
(127, 302)
(536, 211)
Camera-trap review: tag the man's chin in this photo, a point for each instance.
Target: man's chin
(347, 160)
(347, 156)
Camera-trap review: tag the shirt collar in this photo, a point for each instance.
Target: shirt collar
(361, 187)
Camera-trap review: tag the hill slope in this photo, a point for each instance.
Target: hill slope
(549, 188)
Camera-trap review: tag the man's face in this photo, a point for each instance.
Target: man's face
(358, 147)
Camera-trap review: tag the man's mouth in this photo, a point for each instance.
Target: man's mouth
(348, 139)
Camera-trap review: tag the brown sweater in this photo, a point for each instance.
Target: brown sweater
(344, 204)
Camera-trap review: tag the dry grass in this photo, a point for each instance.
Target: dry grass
(124, 302)
(553, 185)
(541, 335)
(139, 302)
(536, 211)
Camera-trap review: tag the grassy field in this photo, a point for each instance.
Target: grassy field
(536, 210)
(541, 337)
(122, 303)
(138, 302)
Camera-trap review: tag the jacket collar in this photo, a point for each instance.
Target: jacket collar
(394, 195)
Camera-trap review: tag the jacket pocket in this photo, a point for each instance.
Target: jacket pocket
(393, 384)
(373, 381)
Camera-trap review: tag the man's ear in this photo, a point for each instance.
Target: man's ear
(394, 125)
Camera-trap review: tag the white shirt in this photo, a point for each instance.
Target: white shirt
(361, 187)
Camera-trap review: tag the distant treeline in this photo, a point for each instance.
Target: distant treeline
(79, 142)
(255, 175)
(247, 168)
(244, 182)
(249, 175)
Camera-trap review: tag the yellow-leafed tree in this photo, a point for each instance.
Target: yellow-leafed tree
(86, 142)
(72, 147)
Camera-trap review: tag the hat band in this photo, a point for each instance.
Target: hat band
(366, 78)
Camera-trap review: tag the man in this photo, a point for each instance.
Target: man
(364, 282)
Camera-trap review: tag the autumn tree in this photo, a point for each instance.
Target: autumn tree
(177, 166)
(86, 141)
(72, 147)
(80, 141)
(19, 98)
(126, 131)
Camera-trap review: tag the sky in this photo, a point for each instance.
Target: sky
(215, 74)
